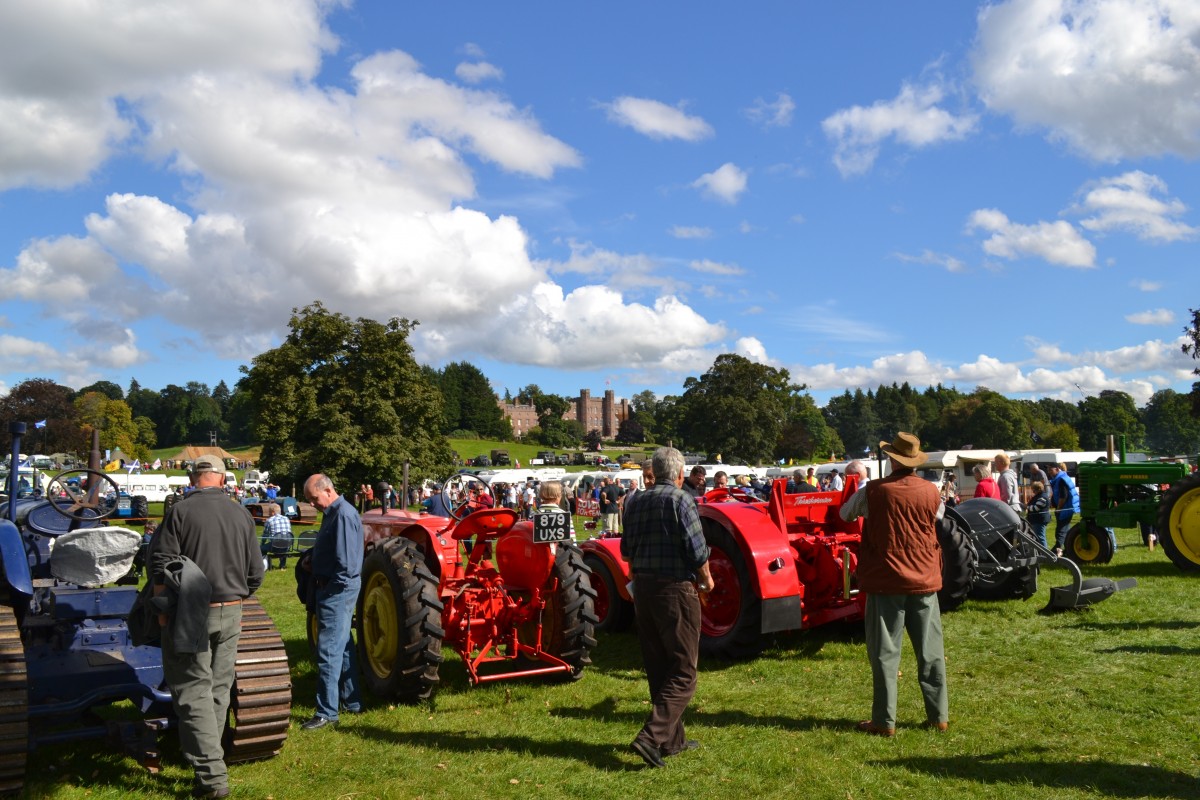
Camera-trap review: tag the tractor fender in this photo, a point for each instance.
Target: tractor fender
(430, 534)
(608, 550)
(16, 564)
(769, 558)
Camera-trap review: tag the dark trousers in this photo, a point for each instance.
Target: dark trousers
(668, 622)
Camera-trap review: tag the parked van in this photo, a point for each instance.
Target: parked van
(154, 486)
(959, 463)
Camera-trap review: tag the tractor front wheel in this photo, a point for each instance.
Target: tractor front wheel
(568, 621)
(140, 507)
(399, 623)
(731, 614)
(613, 612)
(1179, 523)
(1098, 549)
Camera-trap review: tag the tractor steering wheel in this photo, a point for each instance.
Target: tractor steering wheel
(459, 484)
(92, 499)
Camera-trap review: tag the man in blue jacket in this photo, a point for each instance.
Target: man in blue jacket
(337, 572)
(1066, 504)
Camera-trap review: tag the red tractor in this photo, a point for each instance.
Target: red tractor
(788, 564)
(512, 597)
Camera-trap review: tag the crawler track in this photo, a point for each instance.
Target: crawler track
(261, 707)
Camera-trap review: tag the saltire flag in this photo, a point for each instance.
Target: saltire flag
(41, 424)
(137, 464)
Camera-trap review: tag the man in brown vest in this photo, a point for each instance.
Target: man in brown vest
(900, 570)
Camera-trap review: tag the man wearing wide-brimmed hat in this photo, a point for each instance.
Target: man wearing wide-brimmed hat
(900, 570)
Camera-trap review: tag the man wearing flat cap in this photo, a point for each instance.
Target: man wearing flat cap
(205, 556)
(900, 570)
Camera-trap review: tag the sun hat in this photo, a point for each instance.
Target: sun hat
(905, 450)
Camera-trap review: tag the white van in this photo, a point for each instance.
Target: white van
(151, 485)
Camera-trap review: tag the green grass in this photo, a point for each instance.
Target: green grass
(1097, 703)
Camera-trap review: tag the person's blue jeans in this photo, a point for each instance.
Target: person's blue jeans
(337, 663)
(1062, 524)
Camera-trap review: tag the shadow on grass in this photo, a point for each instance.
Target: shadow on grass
(1107, 778)
(606, 711)
(600, 756)
(1154, 650)
(1138, 625)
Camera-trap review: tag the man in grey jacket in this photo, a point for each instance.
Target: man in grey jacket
(218, 536)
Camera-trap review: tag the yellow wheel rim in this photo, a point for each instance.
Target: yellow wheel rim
(1090, 551)
(1185, 525)
(380, 625)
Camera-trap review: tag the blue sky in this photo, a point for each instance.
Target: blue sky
(607, 195)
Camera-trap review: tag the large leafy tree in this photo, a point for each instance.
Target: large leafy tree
(737, 408)
(106, 388)
(345, 397)
(470, 403)
(805, 435)
(114, 420)
(852, 416)
(1192, 348)
(1110, 412)
(1170, 427)
(38, 399)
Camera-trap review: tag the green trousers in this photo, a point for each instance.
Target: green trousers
(888, 617)
(200, 688)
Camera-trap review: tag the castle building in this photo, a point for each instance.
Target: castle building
(604, 414)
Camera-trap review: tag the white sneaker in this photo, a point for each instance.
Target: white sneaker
(1151, 540)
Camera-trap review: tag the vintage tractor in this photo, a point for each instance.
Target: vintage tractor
(1118, 494)
(791, 564)
(512, 597)
(65, 645)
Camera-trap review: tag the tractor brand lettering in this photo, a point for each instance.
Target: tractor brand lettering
(816, 501)
(1134, 477)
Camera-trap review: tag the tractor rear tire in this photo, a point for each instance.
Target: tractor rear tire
(14, 705)
(1099, 549)
(613, 612)
(959, 564)
(261, 707)
(399, 623)
(731, 615)
(568, 621)
(139, 508)
(1179, 523)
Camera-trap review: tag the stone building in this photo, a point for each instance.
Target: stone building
(604, 414)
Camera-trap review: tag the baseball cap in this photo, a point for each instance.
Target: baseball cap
(207, 464)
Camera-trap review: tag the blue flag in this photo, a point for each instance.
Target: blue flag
(41, 424)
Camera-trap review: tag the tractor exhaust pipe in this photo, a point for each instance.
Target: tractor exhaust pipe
(17, 429)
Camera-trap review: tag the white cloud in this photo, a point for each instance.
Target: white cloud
(478, 72)
(946, 262)
(716, 268)
(1158, 316)
(913, 119)
(726, 183)
(1145, 285)
(1112, 79)
(1054, 242)
(689, 232)
(751, 348)
(776, 114)
(657, 120)
(1127, 203)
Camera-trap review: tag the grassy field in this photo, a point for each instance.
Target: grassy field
(1096, 703)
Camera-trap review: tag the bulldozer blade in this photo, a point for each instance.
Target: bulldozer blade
(1086, 593)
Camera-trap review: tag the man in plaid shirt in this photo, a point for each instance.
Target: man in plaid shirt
(277, 538)
(668, 557)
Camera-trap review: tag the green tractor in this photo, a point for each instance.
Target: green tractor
(1118, 494)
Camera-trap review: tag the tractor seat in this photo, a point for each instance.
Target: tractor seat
(487, 523)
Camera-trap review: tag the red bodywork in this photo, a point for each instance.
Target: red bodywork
(494, 595)
(800, 556)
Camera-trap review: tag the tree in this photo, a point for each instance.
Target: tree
(1170, 427)
(631, 432)
(853, 418)
(106, 388)
(1110, 412)
(470, 402)
(142, 402)
(805, 435)
(38, 399)
(1192, 348)
(114, 420)
(592, 440)
(347, 398)
(222, 397)
(737, 408)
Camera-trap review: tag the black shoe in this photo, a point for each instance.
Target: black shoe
(318, 722)
(649, 753)
(206, 792)
(688, 744)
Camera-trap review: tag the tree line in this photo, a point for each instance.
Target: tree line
(347, 397)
